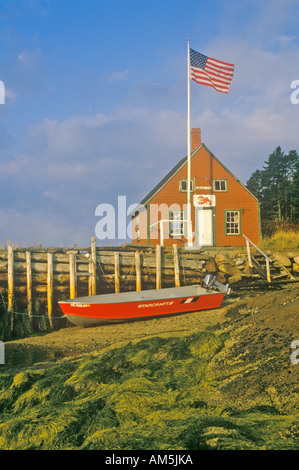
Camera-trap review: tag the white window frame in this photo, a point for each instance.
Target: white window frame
(220, 181)
(176, 219)
(231, 223)
(192, 183)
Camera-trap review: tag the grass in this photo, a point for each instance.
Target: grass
(158, 393)
(281, 241)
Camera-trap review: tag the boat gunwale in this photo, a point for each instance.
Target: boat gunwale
(144, 296)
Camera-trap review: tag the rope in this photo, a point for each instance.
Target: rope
(129, 276)
(104, 275)
(25, 313)
(33, 316)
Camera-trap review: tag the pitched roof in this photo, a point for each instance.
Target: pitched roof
(164, 181)
(177, 168)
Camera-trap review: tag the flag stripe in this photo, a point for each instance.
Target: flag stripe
(204, 79)
(217, 71)
(211, 72)
(219, 78)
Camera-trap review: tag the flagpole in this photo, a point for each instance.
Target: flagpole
(189, 221)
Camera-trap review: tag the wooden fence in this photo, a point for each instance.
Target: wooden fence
(53, 274)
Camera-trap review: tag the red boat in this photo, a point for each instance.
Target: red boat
(130, 306)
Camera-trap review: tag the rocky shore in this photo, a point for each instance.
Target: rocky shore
(234, 267)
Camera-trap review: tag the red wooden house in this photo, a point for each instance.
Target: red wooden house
(222, 208)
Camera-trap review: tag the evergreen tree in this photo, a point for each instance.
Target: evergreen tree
(254, 184)
(293, 186)
(274, 183)
(277, 186)
(296, 190)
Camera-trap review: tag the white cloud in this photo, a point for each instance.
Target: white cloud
(285, 40)
(22, 57)
(118, 76)
(10, 94)
(35, 227)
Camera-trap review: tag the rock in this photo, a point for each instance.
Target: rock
(295, 267)
(220, 277)
(296, 259)
(229, 269)
(210, 266)
(234, 279)
(283, 259)
(248, 269)
(222, 258)
(293, 254)
(239, 261)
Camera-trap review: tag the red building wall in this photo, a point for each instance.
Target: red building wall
(204, 168)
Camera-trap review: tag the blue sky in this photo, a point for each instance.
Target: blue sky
(96, 102)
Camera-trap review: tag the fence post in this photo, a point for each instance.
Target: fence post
(176, 266)
(29, 283)
(73, 290)
(138, 270)
(93, 267)
(10, 274)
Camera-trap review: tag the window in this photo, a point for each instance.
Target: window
(220, 186)
(183, 185)
(176, 224)
(232, 222)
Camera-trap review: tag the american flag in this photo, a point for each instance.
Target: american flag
(211, 72)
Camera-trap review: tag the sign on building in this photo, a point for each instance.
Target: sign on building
(204, 200)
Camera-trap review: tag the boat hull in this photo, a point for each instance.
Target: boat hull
(132, 306)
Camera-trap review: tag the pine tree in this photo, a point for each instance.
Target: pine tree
(293, 186)
(296, 190)
(274, 181)
(254, 184)
(277, 186)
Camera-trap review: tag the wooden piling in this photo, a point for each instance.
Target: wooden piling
(50, 288)
(29, 283)
(93, 267)
(138, 270)
(10, 277)
(26, 274)
(158, 267)
(73, 284)
(176, 263)
(116, 272)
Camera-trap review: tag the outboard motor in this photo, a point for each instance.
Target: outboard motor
(211, 283)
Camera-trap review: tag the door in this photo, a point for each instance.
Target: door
(204, 226)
